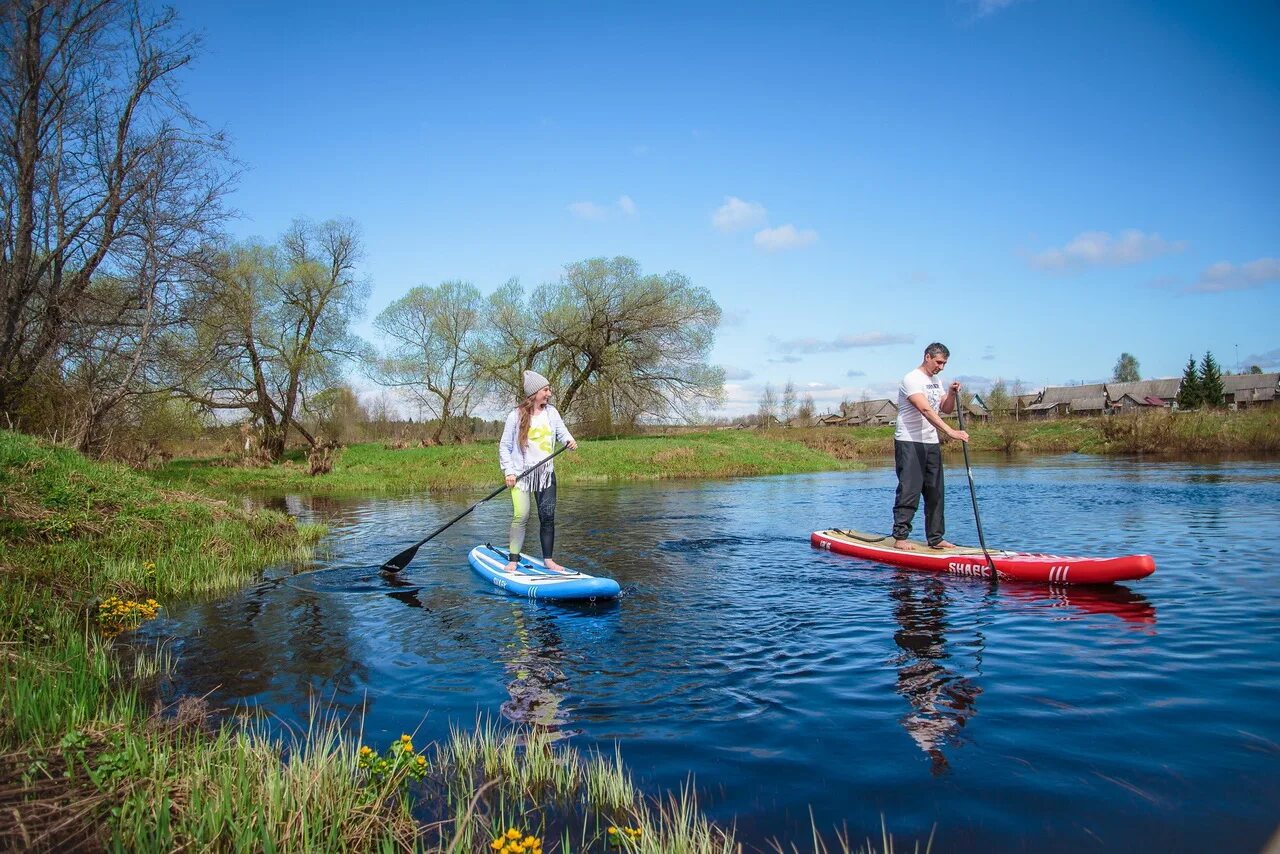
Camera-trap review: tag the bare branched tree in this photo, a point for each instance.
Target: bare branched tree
(107, 185)
(275, 322)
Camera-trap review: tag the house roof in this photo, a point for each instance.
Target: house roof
(1088, 404)
(1236, 382)
(1165, 389)
(1047, 404)
(1066, 393)
(870, 408)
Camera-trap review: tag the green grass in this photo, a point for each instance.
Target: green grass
(374, 468)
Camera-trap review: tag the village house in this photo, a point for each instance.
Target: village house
(1246, 391)
(1144, 394)
(1055, 401)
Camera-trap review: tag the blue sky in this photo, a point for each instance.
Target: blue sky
(1040, 184)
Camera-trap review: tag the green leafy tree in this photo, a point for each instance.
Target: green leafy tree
(998, 401)
(1189, 396)
(275, 326)
(435, 342)
(1126, 369)
(1254, 369)
(617, 345)
(1211, 390)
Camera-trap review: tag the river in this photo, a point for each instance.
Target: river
(786, 679)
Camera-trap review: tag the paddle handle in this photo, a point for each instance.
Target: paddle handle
(973, 494)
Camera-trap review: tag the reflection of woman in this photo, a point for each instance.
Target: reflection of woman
(533, 428)
(535, 677)
(942, 702)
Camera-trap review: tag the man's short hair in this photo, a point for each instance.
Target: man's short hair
(935, 349)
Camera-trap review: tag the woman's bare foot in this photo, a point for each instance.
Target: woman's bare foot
(943, 544)
(906, 545)
(552, 565)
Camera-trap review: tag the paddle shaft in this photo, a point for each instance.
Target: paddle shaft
(402, 560)
(973, 493)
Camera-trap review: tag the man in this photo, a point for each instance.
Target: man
(917, 456)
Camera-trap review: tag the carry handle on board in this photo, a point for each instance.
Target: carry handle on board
(400, 561)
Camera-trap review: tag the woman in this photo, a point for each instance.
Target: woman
(533, 429)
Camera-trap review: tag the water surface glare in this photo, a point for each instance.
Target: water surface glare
(785, 678)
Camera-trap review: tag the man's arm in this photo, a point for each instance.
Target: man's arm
(922, 403)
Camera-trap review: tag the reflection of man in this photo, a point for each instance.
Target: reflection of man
(941, 701)
(917, 456)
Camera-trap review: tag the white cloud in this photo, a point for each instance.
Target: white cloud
(1100, 249)
(852, 374)
(587, 210)
(590, 210)
(785, 360)
(736, 215)
(1269, 360)
(841, 342)
(731, 373)
(784, 237)
(1225, 276)
(990, 7)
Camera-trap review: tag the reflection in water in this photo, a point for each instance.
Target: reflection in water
(942, 701)
(537, 683)
(1077, 601)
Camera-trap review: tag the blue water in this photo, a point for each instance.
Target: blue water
(786, 679)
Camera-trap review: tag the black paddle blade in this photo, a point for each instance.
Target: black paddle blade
(400, 561)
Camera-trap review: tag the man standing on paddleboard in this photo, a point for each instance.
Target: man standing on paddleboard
(532, 430)
(917, 456)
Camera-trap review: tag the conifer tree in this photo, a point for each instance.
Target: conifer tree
(1211, 391)
(1189, 392)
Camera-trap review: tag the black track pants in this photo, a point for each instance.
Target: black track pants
(919, 468)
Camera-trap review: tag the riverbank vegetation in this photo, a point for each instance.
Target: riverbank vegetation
(1159, 433)
(377, 468)
(725, 453)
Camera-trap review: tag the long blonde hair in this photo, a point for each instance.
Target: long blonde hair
(526, 415)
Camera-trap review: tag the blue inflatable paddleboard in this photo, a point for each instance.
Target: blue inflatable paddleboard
(533, 579)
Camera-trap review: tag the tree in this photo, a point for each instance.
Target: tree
(276, 321)
(104, 177)
(1189, 395)
(1254, 369)
(1126, 369)
(616, 345)
(788, 405)
(998, 401)
(1212, 393)
(338, 412)
(804, 414)
(435, 354)
(767, 411)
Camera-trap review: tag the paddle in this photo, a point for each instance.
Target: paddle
(401, 560)
(973, 493)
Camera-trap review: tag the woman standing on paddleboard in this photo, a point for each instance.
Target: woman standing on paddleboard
(530, 436)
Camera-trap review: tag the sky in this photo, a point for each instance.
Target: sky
(1039, 184)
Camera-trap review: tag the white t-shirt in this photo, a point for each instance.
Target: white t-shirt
(542, 442)
(912, 426)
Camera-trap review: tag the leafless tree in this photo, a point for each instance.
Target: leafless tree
(107, 185)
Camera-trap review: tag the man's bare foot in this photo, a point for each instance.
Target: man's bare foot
(511, 566)
(553, 566)
(943, 544)
(906, 545)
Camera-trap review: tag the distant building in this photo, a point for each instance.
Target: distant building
(1055, 401)
(1245, 391)
(1144, 394)
(870, 413)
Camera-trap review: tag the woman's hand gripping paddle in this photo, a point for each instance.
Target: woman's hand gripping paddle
(400, 561)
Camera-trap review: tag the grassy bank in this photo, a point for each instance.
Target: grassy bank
(374, 468)
(728, 453)
(88, 550)
(1157, 433)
